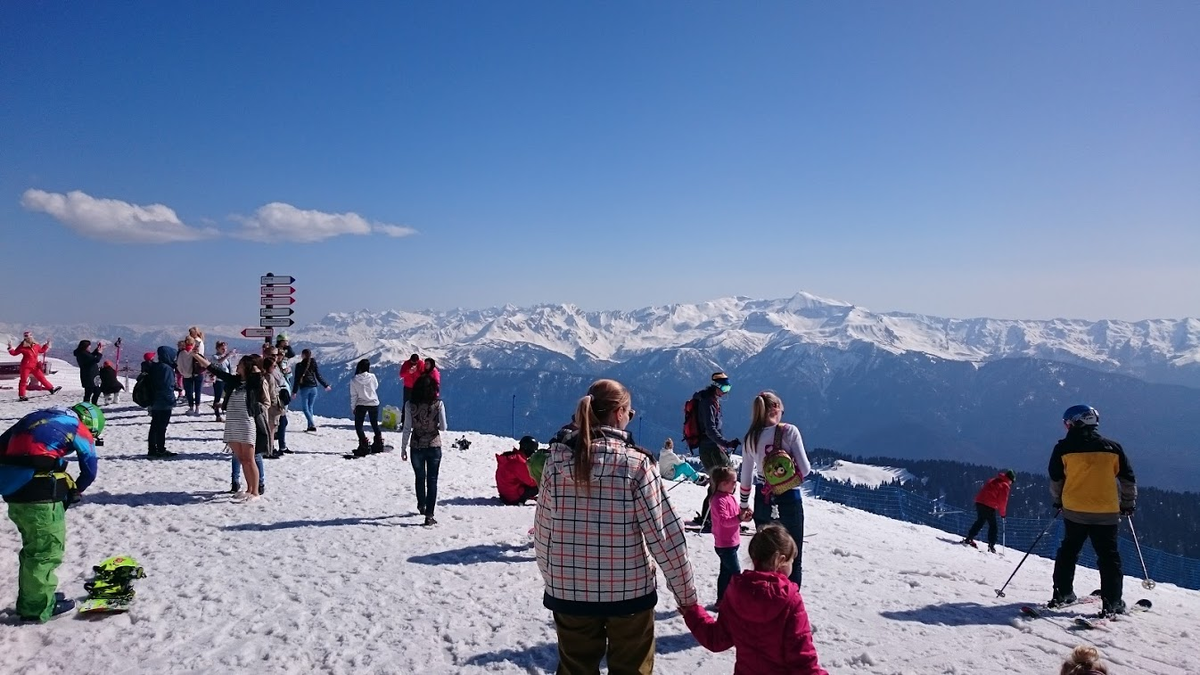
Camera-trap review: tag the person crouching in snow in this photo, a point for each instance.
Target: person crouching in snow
(34, 482)
(992, 498)
(110, 384)
(513, 479)
(674, 467)
(762, 613)
(30, 351)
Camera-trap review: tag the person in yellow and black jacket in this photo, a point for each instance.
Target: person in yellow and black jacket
(38, 490)
(1093, 484)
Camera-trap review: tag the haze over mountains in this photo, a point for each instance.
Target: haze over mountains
(902, 385)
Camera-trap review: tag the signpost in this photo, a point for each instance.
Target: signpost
(275, 294)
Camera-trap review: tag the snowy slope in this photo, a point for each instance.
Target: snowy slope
(864, 474)
(332, 573)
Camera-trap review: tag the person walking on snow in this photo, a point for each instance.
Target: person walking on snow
(727, 527)
(30, 353)
(1093, 485)
(714, 447)
(38, 490)
(410, 370)
(364, 401)
(992, 498)
(89, 369)
(602, 521)
(762, 615)
(426, 418)
(193, 377)
(308, 376)
(162, 401)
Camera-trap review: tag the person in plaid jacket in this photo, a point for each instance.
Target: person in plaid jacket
(602, 514)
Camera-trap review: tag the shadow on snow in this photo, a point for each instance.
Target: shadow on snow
(330, 522)
(959, 614)
(148, 498)
(480, 553)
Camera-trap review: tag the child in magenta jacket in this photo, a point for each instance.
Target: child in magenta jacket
(726, 526)
(762, 614)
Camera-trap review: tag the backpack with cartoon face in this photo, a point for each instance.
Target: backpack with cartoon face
(778, 467)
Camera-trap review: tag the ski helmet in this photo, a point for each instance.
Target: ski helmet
(91, 416)
(1081, 416)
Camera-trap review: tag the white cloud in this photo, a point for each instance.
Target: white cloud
(112, 219)
(276, 222)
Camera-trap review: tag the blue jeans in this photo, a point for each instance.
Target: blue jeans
(308, 399)
(730, 565)
(791, 517)
(191, 389)
(237, 470)
(425, 463)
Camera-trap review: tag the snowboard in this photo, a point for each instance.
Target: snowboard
(386, 448)
(104, 606)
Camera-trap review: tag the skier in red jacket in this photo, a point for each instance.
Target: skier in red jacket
(992, 497)
(29, 351)
(762, 614)
(513, 479)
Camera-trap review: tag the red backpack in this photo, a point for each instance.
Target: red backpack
(691, 426)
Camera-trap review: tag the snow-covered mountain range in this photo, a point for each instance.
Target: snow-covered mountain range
(878, 384)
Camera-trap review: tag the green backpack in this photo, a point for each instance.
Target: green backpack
(779, 470)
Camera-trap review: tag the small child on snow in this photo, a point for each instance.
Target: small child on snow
(674, 467)
(726, 526)
(1084, 661)
(762, 613)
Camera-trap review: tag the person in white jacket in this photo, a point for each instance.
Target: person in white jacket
(774, 464)
(364, 400)
(424, 419)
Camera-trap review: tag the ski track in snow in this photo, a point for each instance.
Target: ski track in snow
(332, 573)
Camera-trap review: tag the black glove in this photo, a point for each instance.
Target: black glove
(1127, 508)
(1058, 505)
(733, 445)
(73, 497)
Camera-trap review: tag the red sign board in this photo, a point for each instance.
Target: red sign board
(276, 290)
(271, 301)
(258, 332)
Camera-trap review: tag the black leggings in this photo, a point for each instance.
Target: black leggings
(91, 394)
(984, 514)
(361, 411)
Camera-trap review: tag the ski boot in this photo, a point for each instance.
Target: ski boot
(967, 541)
(1062, 599)
(991, 548)
(1112, 607)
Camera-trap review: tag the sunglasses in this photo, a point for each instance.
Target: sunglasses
(632, 412)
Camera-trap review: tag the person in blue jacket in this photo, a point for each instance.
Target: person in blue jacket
(162, 402)
(37, 488)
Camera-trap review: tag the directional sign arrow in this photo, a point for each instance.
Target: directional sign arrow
(257, 332)
(276, 311)
(282, 323)
(271, 301)
(272, 279)
(276, 290)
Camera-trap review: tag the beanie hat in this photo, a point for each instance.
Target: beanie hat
(27, 335)
(1012, 475)
(282, 337)
(148, 356)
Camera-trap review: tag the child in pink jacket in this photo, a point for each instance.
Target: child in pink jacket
(762, 614)
(726, 526)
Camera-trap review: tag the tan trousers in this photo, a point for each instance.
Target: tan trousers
(583, 641)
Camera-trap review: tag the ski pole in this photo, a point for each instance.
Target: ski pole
(1000, 591)
(1147, 582)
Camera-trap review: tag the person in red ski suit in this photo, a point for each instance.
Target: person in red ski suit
(992, 498)
(762, 614)
(513, 479)
(30, 353)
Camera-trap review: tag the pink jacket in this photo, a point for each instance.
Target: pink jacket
(726, 528)
(763, 616)
(409, 372)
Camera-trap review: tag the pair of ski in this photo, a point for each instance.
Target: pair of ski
(1100, 620)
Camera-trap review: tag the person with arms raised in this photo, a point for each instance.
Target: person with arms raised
(31, 352)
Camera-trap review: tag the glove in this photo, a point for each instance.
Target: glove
(733, 445)
(73, 497)
(1127, 508)
(1058, 505)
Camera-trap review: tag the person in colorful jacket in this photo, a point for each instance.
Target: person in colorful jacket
(30, 352)
(762, 614)
(38, 490)
(1092, 483)
(602, 520)
(513, 478)
(992, 498)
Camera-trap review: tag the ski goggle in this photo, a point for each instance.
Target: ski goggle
(725, 388)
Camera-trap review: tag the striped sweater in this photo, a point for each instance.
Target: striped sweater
(594, 547)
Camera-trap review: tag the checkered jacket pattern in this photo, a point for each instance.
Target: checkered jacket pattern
(596, 545)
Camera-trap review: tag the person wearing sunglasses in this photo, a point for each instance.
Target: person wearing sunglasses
(714, 447)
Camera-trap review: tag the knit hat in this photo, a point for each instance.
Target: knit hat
(1012, 475)
(27, 335)
(282, 337)
(148, 356)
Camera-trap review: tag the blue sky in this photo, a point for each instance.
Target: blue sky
(1023, 159)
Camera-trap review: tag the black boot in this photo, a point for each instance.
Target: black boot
(363, 449)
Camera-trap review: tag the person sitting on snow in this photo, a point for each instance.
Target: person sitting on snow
(513, 478)
(34, 482)
(674, 467)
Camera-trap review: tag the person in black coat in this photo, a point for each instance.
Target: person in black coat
(110, 384)
(89, 369)
(161, 378)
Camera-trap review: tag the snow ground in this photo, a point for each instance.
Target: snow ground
(332, 573)
(864, 474)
